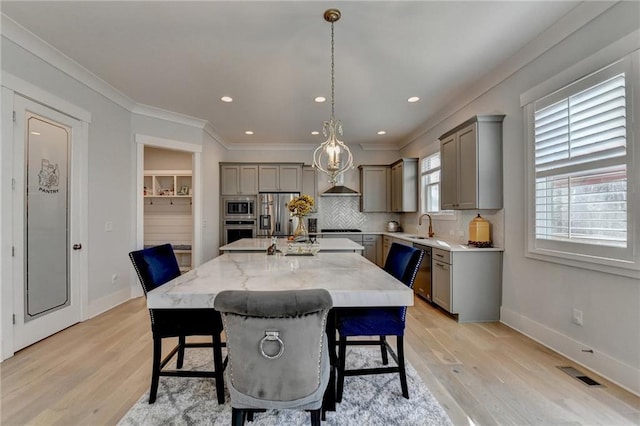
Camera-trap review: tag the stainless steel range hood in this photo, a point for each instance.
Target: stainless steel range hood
(340, 191)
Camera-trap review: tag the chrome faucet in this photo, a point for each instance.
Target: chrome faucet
(431, 234)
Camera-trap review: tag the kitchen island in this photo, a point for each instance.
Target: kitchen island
(351, 280)
(248, 245)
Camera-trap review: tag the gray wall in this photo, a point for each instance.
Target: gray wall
(538, 297)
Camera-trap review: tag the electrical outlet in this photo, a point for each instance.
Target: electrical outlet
(577, 316)
(114, 278)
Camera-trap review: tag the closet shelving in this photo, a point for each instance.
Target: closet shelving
(169, 218)
(167, 183)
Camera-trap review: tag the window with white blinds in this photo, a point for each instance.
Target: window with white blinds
(580, 164)
(583, 193)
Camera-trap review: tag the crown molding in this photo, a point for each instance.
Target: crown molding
(575, 19)
(271, 147)
(211, 131)
(24, 38)
(163, 114)
(379, 147)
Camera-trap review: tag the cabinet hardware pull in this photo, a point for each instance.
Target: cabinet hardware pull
(439, 255)
(439, 264)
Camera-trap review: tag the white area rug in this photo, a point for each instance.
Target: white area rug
(367, 400)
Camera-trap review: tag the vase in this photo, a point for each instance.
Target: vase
(301, 230)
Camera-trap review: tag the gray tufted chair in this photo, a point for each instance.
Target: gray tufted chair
(277, 348)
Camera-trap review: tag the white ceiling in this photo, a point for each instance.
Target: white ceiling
(273, 58)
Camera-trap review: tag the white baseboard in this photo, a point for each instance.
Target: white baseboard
(96, 307)
(625, 376)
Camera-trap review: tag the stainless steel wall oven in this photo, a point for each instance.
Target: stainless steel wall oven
(234, 230)
(238, 218)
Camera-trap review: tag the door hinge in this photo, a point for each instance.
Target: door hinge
(14, 116)
(13, 251)
(13, 183)
(14, 319)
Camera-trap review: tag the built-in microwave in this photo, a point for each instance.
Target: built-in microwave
(239, 207)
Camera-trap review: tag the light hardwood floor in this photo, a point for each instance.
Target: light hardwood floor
(482, 374)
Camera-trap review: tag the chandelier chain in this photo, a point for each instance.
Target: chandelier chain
(332, 76)
(333, 156)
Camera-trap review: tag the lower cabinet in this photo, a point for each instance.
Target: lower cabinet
(386, 246)
(441, 279)
(371, 244)
(468, 284)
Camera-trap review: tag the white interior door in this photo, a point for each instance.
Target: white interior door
(45, 236)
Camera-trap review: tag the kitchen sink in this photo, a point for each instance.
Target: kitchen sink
(418, 237)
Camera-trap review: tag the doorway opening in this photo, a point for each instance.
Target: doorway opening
(168, 204)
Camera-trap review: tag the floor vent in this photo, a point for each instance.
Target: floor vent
(576, 374)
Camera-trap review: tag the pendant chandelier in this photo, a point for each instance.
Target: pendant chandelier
(332, 157)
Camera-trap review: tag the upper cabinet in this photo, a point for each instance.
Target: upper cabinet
(280, 177)
(391, 188)
(471, 156)
(404, 185)
(310, 184)
(375, 187)
(238, 179)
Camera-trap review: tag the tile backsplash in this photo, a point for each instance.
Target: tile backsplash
(344, 212)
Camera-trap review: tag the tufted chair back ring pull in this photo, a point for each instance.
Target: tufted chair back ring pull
(270, 336)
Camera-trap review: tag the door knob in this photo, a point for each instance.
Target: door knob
(77, 246)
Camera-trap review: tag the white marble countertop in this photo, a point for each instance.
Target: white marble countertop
(436, 242)
(261, 244)
(349, 277)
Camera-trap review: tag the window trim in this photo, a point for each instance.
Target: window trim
(440, 214)
(605, 259)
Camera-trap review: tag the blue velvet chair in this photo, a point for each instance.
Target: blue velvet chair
(278, 350)
(403, 263)
(156, 266)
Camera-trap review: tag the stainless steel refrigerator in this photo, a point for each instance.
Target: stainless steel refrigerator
(274, 218)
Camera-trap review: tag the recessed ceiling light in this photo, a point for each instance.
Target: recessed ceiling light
(320, 99)
(226, 99)
(248, 132)
(315, 132)
(382, 132)
(413, 99)
(35, 133)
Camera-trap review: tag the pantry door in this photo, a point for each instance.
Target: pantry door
(46, 236)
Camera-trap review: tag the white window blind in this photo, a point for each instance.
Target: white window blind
(581, 164)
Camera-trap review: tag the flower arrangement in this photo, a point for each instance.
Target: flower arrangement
(301, 206)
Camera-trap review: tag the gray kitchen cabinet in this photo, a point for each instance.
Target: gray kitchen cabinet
(375, 186)
(356, 238)
(467, 284)
(471, 156)
(280, 177)
(310, 184)
(238, 179)
(386, 246)
(441, 279)
(372, 244)
(404, 185)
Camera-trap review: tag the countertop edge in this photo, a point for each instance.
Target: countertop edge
(435, 242)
